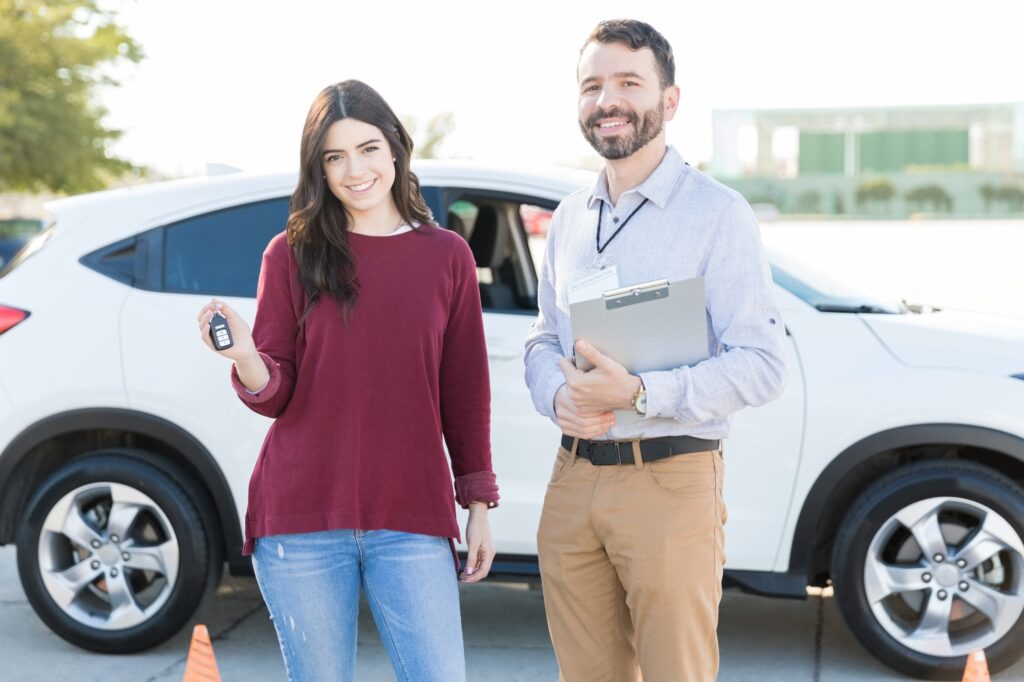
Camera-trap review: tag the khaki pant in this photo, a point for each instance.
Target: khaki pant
(631, 559)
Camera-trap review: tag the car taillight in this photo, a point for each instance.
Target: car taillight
(10, 317)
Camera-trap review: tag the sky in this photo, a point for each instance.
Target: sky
(230, 82)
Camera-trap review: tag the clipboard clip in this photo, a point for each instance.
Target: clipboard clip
(638, 293)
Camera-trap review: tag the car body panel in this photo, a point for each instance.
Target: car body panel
(849, 375)
(953, 339)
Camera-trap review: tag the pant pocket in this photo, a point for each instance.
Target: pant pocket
(689, 475)
(561, 466)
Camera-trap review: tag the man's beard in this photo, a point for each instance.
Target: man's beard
(645, 129)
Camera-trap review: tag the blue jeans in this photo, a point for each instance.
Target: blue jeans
(311, 581)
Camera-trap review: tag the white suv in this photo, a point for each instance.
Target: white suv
(890, 467)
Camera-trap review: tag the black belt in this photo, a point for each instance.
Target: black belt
(601, 452)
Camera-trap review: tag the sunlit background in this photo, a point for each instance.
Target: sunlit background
(883, 141)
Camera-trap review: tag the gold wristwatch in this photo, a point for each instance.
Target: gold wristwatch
(640, 400)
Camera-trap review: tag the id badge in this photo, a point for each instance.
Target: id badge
(594, 284)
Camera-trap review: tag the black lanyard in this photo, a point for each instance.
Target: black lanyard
(600, 214)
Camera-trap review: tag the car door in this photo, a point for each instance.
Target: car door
(762, 459)
(763, 450)
(523, 443)
(168, 371)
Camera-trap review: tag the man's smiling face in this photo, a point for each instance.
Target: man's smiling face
(621, 99)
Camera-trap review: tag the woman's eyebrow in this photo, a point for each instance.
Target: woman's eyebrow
(358, 146)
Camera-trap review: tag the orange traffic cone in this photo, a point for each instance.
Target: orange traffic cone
(202, 664)
(977, 667)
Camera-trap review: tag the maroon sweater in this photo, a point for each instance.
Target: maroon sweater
(361, 407)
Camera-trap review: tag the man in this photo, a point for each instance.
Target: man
(631, 541)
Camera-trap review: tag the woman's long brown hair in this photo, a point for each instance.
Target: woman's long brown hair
(318, 222)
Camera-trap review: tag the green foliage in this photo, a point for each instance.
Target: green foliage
(809, 202)
(933, 195)
(1012, 195)
(55, 55)
(19, 228)
(956, 167)
(837, 204)
(875, 190)
(429, 140)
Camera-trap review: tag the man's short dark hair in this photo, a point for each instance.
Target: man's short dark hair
(638, 35)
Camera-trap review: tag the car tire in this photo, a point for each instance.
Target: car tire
(113, 554)
(917, 555)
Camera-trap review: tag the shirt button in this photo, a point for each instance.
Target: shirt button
(615, 219)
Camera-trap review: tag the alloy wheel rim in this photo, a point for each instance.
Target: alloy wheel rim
(945, 576)
(108, 556)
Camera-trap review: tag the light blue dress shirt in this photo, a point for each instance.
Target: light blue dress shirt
(690, 226)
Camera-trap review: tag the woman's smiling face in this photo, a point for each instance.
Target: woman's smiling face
(358, 165)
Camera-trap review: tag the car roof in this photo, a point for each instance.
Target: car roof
(140, 204)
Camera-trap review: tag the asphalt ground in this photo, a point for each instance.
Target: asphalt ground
(506, 640)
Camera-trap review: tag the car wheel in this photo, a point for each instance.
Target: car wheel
(928, 566)
(113, 555)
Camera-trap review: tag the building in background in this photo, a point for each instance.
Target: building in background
(963, 160)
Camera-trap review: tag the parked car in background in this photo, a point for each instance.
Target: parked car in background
(890, 468)
(14, 233)
(536, 219)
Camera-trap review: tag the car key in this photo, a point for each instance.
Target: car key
(220, 334)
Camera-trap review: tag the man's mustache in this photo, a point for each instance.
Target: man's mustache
(614, 112)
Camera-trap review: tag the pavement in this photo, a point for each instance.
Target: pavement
(506, 640)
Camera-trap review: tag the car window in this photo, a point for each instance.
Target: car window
(500, 228)
(16, 251)
(220, 253)
(824, 290)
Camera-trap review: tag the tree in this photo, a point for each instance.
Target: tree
(837, 204)
(988, 193)
(1012, 195)
(55, 56)
(809, 202)
(879, 190)
(934, 195)
(436, 130)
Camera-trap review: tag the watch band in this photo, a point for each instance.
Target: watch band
(639, 401)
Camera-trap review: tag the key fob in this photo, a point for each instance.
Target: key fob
(219, 332)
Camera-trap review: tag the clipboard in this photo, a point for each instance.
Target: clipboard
(647, 327)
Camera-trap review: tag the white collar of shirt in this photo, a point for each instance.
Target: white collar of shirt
(657, 187)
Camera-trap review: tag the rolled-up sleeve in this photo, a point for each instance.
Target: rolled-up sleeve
(274, 331)
(465, 388)
(748, 367)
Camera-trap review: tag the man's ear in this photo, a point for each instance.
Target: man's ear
(670, 101)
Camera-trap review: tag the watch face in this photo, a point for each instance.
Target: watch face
(641, 404)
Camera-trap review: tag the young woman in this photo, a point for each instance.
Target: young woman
(367, 350)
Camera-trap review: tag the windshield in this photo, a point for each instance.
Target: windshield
(827, 292)
(31, 246)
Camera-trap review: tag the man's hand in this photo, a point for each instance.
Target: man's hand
(575, 422)
(608, 386)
